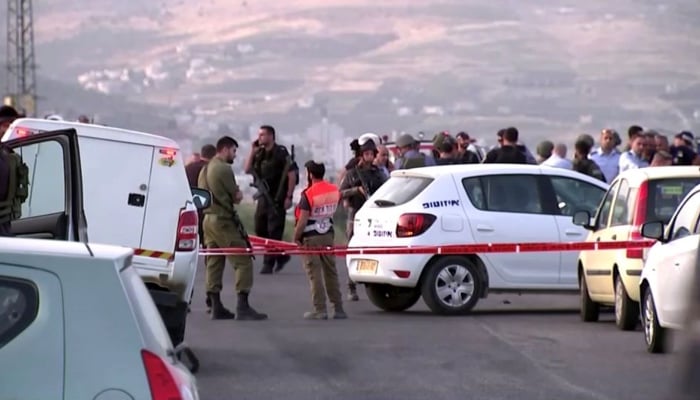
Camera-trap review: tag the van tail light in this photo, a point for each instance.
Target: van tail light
(640, 214)
(162, 380)
(414, 224)
(187, 231)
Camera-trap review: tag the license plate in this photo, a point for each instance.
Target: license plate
(367, 266)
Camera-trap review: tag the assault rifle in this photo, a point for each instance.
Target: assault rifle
(364, 184)
(241, 230)
(263, 191)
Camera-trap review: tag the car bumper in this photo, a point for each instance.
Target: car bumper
(176, 276)
(392, 269)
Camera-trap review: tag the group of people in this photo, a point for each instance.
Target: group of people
(367, 170)
(644, 148)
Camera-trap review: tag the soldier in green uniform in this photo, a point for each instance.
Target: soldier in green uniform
(275, 175)
(220, 231)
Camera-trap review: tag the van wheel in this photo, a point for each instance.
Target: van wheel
(626, 310)
(590, 311)
(451, 286)
(392, 298)
(654, 334)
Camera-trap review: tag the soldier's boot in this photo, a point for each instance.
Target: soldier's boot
(315, 315)
(218, 311)
(266, 269)
(352, 295)
(282, 261)
(245, 311)
(339, 313)
(208, 302)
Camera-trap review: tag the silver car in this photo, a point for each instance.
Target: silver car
(77, 322)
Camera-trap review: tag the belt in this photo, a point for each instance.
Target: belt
(219, 217)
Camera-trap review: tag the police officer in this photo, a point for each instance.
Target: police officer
(363, 178)
(314, 229)
(220, 231)
(272, 164)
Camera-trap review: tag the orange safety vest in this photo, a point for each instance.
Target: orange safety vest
(323, 200)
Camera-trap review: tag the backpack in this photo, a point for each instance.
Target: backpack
(18, 186)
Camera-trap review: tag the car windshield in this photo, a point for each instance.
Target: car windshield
(665, 195)
(399, 190)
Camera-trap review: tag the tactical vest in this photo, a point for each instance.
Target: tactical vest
(18, 186)
(414, 162)
(273, 168)
(323, 200)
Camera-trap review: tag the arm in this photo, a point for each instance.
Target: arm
(291, 182)
(305, 209)
(248, 167)
(348, 188)
(227, 181)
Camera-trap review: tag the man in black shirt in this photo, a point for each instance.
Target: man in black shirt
(509, 152)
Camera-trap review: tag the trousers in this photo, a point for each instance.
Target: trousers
(270, 226)
(221, 233)
(349, 231)
(322, 273)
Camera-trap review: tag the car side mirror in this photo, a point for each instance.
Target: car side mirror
(582, 219)
(201, 198)
(653, 230)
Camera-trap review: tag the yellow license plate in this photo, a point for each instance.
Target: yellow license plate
(367, 266)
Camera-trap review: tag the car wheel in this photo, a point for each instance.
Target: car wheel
(392, 298)
(590, 311)
(654, 334)
(451, 286)
(626, 310)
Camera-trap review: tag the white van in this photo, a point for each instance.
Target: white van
(135, 194)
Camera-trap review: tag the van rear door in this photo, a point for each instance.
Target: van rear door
(128, 177)
(169, 193)
(54, 207)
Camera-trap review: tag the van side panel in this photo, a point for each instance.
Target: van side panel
(169, 192)
(116, 186)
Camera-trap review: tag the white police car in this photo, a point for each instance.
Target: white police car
(468, 204)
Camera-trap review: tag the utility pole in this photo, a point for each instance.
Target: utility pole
(21, 67)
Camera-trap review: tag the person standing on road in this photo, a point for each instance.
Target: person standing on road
(220, 231)
(272, 164)
(313, 229)
(192, 170)
(354, 193)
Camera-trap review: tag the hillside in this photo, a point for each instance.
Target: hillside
(548, 67)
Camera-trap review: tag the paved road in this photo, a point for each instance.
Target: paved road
(533, 348)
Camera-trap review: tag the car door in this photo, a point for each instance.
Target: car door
(510, 208)
(31, 334)
(597, 273)
(680, 251)
(573, 195)
(54, 207)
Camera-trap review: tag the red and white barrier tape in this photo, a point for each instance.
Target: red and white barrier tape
(268, 246)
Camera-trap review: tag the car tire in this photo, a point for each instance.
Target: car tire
(590, 310)
(626, 310)
(654, 334)
(449, 278)
(392, 298)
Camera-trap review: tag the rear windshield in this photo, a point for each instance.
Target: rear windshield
(147, 315)
(665, 195)
(398, 190)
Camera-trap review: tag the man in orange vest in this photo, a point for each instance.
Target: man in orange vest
(314, 229)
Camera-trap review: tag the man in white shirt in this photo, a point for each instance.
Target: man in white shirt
(634, 157)
(558, 158)
(607, 156)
